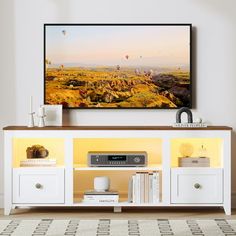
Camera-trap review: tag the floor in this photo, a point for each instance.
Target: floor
(127, 213)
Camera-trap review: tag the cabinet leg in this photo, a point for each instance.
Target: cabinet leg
(227, 210)
(117, 209)
(7, 211)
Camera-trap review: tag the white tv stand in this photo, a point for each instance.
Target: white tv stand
(64, 184)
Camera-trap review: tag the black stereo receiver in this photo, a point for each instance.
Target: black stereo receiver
(117, 159)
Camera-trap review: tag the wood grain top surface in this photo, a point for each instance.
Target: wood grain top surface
(14, 128)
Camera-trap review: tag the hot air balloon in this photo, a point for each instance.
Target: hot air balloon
(137, 71)
(127, 57)
(64, 32)
(61, 67)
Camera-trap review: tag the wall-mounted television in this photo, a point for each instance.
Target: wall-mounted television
(118, 66)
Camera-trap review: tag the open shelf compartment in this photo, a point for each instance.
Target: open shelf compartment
(119, 181)
(153, 147)
(55, 146)
(197, 147)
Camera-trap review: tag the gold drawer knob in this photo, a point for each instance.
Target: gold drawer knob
(38, 186)
(197, 186)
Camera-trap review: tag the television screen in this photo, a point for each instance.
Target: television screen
(117, 65)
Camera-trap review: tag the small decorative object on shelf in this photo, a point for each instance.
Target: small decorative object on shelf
(198, 120)
(101, 183)
(31, 114)
(101, 192)
(41, 116)
(186, 160)
(202, 151)
(36, 157)
(53, 115)
(194, 162)
(186, 149)
(190, 123)
(36, 151)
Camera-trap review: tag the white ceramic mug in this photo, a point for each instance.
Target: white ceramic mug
(101, 183)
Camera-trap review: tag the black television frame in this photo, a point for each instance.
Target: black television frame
(120, 24)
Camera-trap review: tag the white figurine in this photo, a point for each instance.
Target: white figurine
(198, 120)
(41, 116)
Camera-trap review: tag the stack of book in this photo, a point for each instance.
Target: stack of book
(144, 187)
(38, 162)
(101, 197)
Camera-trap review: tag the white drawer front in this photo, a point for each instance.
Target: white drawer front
(38, 185)
(196, 185)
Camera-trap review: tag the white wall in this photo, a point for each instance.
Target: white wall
(21, 56)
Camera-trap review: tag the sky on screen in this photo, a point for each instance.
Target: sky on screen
(118, 45)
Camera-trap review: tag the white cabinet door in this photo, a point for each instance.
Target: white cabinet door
(38, 185)
(196, 185)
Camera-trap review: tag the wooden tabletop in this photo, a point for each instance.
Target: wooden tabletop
(114, 128)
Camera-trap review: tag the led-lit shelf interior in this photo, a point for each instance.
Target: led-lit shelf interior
(119, 181)
(194, 147)
(55, 147)
(153, 147)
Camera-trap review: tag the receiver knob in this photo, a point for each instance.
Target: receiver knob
(137, 159)
(38, 185)
(197, 186)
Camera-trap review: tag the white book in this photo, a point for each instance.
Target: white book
(158, 186)
(38, 162)
(146, 187)
(134, 193)
(37, 165)
(100, 201)
(142, 187)
(150, 200)
(98, 197)
(137, 188)
(155, 188)
(94, 192)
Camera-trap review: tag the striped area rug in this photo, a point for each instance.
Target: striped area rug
(106, 227)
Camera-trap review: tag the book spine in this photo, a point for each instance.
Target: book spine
(142, 188)
(146, 185)
(130, 190)
(137, 188)
(158, 186)
(134, 193)
(150, 200)
(155, 187)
